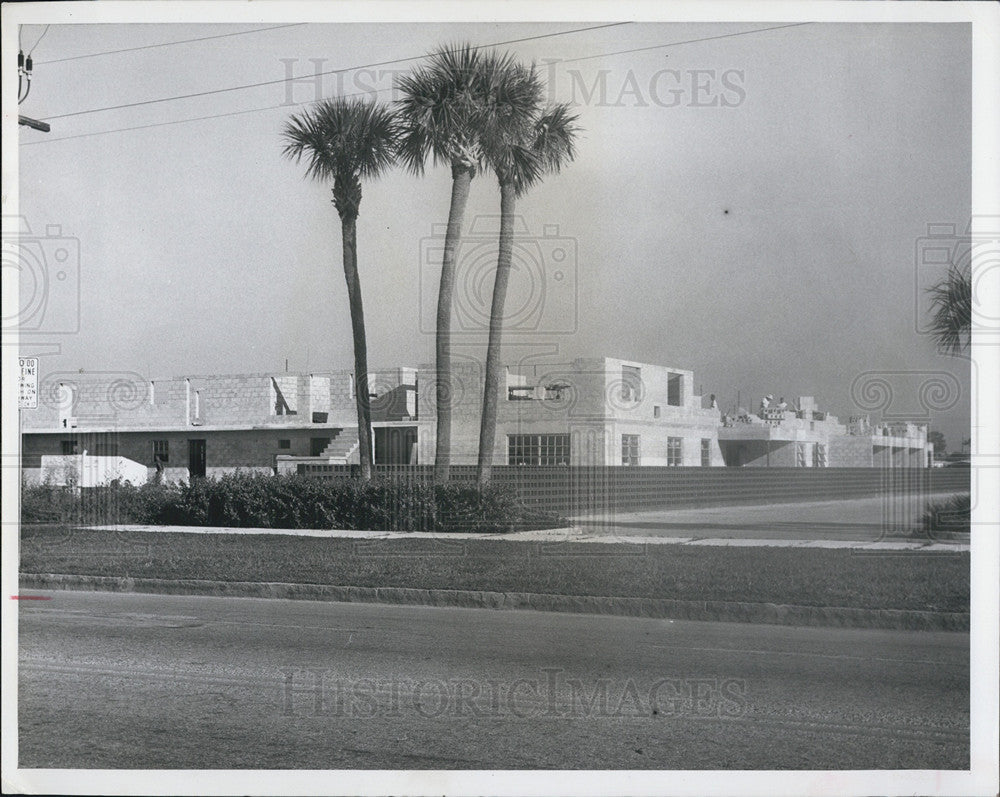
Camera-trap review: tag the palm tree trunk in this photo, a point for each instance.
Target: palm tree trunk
(348, 226)
(444, 393)
(492, 387)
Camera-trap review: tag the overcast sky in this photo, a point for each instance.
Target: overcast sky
(746, 206)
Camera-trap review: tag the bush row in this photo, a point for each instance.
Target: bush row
(950, 516)
(246, 500)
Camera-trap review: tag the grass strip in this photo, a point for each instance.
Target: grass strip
(811, 577)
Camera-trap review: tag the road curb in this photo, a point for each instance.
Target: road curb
(723, 611)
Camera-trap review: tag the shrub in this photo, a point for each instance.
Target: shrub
(247, 500)
(944, 518)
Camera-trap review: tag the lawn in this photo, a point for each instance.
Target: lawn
(813, 577)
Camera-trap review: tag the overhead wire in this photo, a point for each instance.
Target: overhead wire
(378, 91)
(171, 43)
(315, 75)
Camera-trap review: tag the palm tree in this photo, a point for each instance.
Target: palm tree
(346, 141)
(951, 309)
(543, 145)
(450, 109)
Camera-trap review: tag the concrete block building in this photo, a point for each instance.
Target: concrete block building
(204, 425)
(589, 412)
(594, 411)
(809, 438)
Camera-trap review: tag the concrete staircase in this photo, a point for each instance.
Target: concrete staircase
(341, 447)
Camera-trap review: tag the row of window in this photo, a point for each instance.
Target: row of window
(538, 449)
(161, 448)
(554, 449)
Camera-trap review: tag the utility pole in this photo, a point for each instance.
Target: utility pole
(24, 65)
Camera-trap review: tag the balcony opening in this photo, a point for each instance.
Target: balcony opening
(674, 390)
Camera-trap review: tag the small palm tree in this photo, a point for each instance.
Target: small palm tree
(347, 141)
(450, 110)
(543, 145)
(951, 310)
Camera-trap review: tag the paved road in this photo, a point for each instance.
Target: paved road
(148, 681)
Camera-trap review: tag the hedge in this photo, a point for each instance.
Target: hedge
(250, 500)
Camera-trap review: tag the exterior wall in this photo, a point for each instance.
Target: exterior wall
(589, 400)
(225, 450)
(91, 401)
(594, 400)
(850, 451)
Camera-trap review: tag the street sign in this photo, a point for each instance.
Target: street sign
(27, 394)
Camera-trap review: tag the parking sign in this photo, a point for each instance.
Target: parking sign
(27, 394)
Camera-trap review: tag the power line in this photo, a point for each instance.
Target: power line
(155, 124)
(688, 41)
(170, 44)
(378, 91)
(315, 75)
(39, 39)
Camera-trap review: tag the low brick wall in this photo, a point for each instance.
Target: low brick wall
(586, 490)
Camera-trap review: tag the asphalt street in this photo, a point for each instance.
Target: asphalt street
(149, 681)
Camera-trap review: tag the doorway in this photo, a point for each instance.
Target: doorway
(196, 458)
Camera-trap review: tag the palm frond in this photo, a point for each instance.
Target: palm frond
(347, 138)
(951, 310)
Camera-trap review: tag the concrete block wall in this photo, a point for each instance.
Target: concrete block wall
(851, 451)
(588, 405)
(104, 400)
(655, 381)
(653, 442)
(110, 400)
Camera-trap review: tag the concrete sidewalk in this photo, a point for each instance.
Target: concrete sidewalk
(862, 520)
(871, 524)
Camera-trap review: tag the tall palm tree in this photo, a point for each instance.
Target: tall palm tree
(542, 146)
(347, 141)
(450, 109)
(951, 310)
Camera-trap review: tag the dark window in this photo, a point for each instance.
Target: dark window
(631, 383)
(104, 445)
(521, 393)
(538, 449)
(674, 451)
(630, 449)
(317, 444)
(320, 417)
(161, 450)
(69, 447)
(706, 452)
(674, 397)
(284, 444)
(656, 411)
